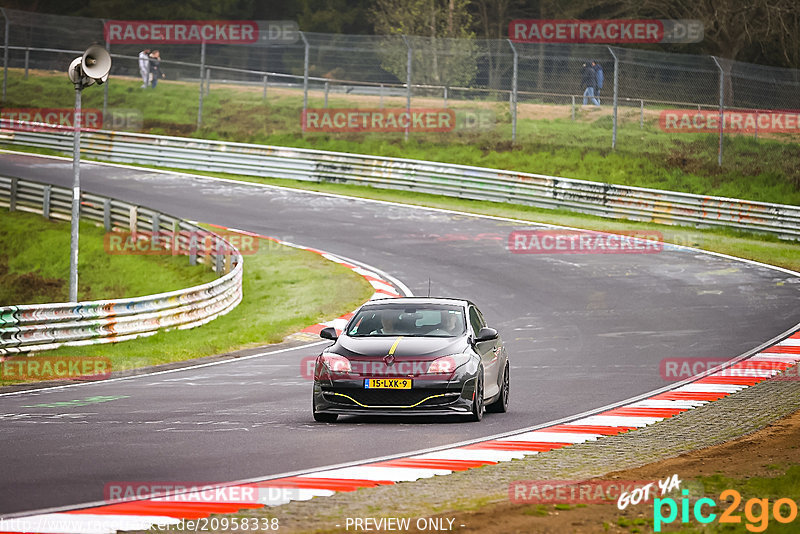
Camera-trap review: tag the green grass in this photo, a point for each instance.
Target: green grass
(285, 290)
(764, 170)
(34, 271)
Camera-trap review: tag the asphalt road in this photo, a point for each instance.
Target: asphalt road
(582, 331)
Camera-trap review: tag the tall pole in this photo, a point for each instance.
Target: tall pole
(76, 198)
(305, 71)
(202, 72)
(514, 92)
(721, 108)
(408, 81)
(5, 52)
(105, 87)
(616, 93)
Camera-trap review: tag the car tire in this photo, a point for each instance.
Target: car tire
(501, 404)
(477, 404)
(323, 417)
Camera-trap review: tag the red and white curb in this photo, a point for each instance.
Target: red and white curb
(171, 509)
(383, 288)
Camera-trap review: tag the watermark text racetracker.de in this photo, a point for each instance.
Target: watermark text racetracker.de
(55, 368)
(166, 243)
(386, 120)
(584, 242)
(731, 121)
(59, 119)
(674, 369)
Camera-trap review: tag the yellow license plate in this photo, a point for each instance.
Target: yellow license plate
(387, 383)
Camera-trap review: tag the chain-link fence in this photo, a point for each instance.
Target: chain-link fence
(645, 94)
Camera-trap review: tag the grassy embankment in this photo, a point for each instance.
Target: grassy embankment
(285, 289)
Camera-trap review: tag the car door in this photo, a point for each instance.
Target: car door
(488, 351)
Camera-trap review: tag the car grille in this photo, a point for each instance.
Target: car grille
(389, 397)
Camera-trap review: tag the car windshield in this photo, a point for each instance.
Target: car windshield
(428, 320)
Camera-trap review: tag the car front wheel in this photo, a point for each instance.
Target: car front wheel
(501, 404)
(477, 403)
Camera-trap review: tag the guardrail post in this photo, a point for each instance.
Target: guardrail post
(5, 52)
(305, 73)
(218, 258)
(202, 70)
(107, 214)
(721, 108)
(12, 200)
(175, 242)
(616, 93)
(266, 82)
(513, 94)
(133, 220)
(408, 80)
(192, 248)
(156, 223)
(27, 60)
(228, 260)
(46, 201)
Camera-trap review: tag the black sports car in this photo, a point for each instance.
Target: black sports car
(412, 356)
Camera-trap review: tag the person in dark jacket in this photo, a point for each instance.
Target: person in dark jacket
(598, 71)
(588, 83)
(155, 68)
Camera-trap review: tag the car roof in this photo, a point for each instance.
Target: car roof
(420, 300)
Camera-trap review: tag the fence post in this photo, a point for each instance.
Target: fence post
(573, 108)
(208, 81)
(641, 114)
(721, 108)
(327, 86)
(445, 97)
(46, 201)
(27, 61)
(266, 82)
(5, 51)
(305, 74)
(616, 94)
(514, 92)
(12, 200)
(755, 135)
(381, 98)
(107, 214)
(408, 80)
(202, 70)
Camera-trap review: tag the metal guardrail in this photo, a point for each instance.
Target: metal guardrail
(38, 327)
(595, 198)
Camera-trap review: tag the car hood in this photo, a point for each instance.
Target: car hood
(405, 348)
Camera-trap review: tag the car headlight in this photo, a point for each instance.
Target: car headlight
(447, 364)
(336, 364)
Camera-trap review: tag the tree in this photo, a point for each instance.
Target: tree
(432, 27)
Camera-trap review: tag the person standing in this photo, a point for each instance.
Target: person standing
(600, 76)
(155, 67)
(588, 82)
(144, 67)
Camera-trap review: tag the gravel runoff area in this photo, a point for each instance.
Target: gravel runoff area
(733, 416)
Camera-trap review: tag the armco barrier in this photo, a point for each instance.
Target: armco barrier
(606, 200)
(39, 327)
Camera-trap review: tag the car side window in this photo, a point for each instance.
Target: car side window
(475, 320)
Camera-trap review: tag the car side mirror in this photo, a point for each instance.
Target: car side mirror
(329, 332)
(486, 334)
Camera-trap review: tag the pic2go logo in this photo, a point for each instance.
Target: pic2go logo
(756, 511)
